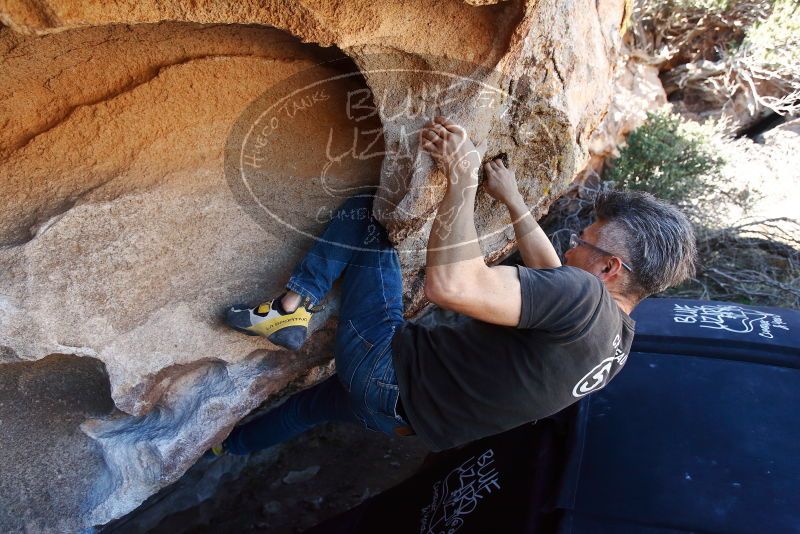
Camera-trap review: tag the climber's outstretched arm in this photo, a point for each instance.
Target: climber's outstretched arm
(456, 276)
(534, 246)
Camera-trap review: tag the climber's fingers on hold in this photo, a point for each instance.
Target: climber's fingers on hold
(431, 136)
(449, 125)
(429, 146)
(429, 125)
(440, 130)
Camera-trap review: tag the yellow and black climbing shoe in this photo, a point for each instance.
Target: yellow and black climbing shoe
(215, 452)
(270, 320)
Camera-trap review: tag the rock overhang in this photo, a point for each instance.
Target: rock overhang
(122, 240)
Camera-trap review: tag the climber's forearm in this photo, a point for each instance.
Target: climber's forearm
(454, 257)
(535, 248)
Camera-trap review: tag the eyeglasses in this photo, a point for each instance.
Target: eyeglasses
(574, 241)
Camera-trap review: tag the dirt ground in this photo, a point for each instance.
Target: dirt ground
(316, 476)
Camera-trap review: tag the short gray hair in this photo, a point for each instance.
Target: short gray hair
(656, 237)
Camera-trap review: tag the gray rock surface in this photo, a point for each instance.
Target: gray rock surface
(46, 461)
(122, 238)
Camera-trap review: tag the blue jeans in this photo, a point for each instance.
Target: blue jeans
(364, 389)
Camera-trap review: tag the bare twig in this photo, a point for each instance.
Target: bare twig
(704, 54)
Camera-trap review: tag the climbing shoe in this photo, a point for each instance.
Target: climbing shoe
(270, 320)
(215, 452)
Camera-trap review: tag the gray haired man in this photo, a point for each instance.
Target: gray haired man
(533, 338)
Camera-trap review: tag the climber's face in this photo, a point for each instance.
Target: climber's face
(586, 254)
(582, 255)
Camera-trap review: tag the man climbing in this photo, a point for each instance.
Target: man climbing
(532, 340)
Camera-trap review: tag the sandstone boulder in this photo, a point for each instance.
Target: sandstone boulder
(124, 231)
(637, 90)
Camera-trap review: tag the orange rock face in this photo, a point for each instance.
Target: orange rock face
(126, 226)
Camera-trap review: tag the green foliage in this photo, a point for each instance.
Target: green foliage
(649, 7)
(684, 163)
(722, 53)
(775, 42)
(669, 157)
(709, 6)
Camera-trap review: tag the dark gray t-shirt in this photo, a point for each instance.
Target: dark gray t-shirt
(464, 381)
